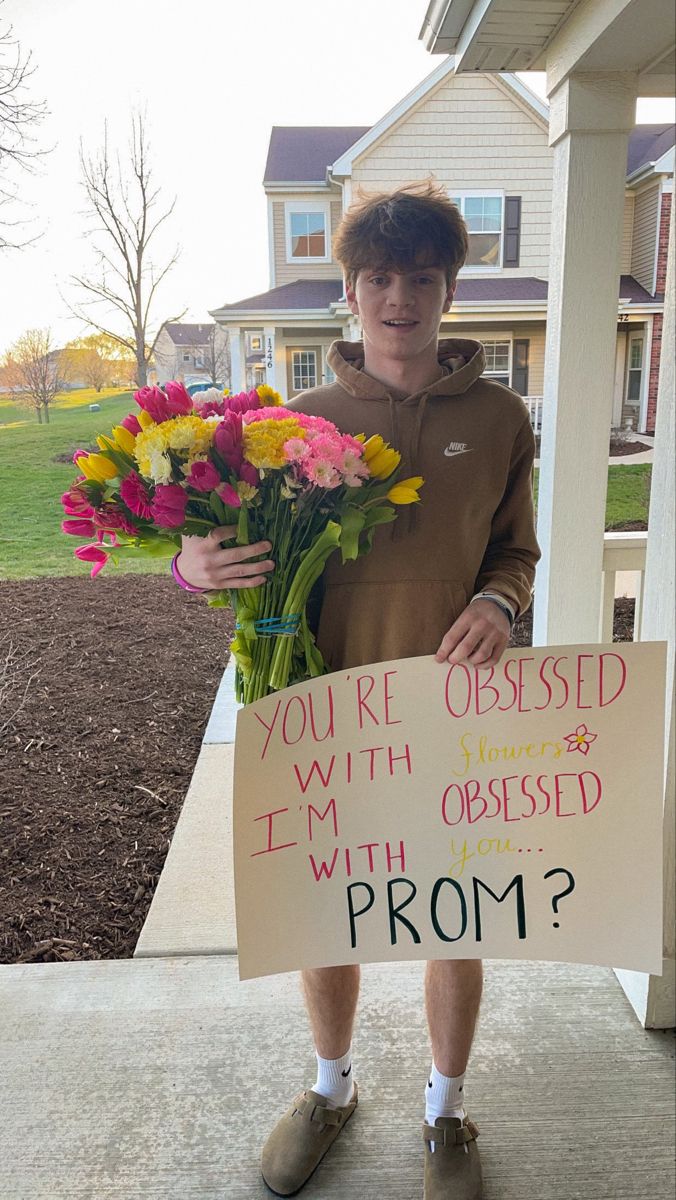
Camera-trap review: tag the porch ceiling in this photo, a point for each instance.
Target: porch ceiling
(517, 35)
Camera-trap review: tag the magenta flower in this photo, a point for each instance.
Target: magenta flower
(209, 408)
(79, 528)
(203, 477)
(132, 423)
(169, 504)
(92, 554)
(228, 439)
(243, 402)
(155, 403)
(180, 400)
(248, 474)
(228, 495)
(136, 496)
(76, 503)
(109, 517)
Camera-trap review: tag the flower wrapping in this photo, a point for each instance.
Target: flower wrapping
(178, 467)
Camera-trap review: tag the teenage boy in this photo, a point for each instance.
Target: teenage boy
(447, 578)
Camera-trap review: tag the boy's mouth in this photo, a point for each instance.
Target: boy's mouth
(403, 324)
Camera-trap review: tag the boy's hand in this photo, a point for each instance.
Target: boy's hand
(479, 636)
(204, 562)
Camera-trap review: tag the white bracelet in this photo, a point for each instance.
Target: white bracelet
(502, 604)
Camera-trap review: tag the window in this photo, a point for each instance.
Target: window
(199, 361)
(497, 361)
(255, 343)
(307, 226)
(186, 358)
(484, 219)
(304, 369)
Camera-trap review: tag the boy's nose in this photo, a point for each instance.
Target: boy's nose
(400, 293)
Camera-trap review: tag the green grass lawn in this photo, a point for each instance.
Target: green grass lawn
(31, 541)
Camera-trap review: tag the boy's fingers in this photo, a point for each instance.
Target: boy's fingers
(221, 533)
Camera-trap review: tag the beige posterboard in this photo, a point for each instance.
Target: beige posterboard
(415, 810)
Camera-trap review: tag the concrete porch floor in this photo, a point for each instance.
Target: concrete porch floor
(159, 1078)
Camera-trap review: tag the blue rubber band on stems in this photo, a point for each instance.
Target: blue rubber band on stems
(276, 626)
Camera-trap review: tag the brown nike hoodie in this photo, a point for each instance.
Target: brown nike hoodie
(473, 530)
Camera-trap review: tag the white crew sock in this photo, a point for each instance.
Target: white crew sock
(334, 1079)
(443, 1097)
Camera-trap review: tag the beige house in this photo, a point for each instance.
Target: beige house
(193, 353)
(486, 138)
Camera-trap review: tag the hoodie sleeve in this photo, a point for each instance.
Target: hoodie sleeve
(508, 566)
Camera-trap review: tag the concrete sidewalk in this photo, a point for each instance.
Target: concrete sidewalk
(159, 1079)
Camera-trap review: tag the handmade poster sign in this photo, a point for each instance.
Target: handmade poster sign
(414, 810)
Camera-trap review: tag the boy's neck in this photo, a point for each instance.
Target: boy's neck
(407, 376)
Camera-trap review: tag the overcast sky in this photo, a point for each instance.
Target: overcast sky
(213, 77)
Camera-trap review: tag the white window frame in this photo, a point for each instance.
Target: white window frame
(510, 355)
(472, 193)
(251, 337)
(294, 354)
(308, 206)
(186, 358)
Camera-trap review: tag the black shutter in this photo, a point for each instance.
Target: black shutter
(521, 349)
(512, 231)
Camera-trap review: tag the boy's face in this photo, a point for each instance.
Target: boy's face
(400, 312)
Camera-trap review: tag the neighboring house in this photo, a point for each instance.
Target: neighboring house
(485, 138)
(191, 353)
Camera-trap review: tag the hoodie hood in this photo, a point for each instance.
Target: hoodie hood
(461, 363)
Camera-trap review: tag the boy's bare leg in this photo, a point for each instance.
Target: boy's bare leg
(331, 995)
(452, 997)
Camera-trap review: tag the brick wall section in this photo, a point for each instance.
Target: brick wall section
(663, 244)
(655, 349)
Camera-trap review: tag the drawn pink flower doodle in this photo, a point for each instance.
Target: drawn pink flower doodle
(580, 740)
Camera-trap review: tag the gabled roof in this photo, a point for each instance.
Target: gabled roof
(301, 153)
(307, 294)
(647, 144)
(188, 335)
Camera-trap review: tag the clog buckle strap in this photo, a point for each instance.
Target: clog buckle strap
(319, 1114)
(445, 1136)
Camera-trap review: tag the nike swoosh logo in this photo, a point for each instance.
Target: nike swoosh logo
(429, 1082)
(452, 453)
(346, 1073)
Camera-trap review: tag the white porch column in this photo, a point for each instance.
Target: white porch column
(654, 997)
(591, 115)
(236, 363)
(281, 374)
(270, 363)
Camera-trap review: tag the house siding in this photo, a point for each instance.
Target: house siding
(644, 237)
(474, 134)
(627, 233)
(288, 272)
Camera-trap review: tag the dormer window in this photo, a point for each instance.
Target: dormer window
(484, 217)
(307, 232)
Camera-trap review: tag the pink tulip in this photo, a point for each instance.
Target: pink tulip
(228, 439)
(169, 504)
(76, 503)
(228, 495)
(155, 403)
(180, 401)
(92, 554)
(136, 496)
(109, 517)
(203, 477)
(248, 474)
(243, 402)
(131, 423)
(79, 528)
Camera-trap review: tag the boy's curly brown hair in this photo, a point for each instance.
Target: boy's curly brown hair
(416, 225)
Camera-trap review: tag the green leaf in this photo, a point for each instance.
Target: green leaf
(351, 524)
(217, 508)
(243, 525)
(380, 515)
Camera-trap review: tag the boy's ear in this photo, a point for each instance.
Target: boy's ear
(351, 297)
(449, 296)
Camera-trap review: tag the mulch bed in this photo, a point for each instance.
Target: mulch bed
(618, 448)
(106, 693)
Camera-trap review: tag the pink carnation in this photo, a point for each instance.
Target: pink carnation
(203, 477)
(321, 472)
(136, 496)
(169, 504)
(296, 449)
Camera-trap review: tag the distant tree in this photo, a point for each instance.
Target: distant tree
(18, 117)
(36, 371)
(216, 355)
(85, 361)
(121, 202)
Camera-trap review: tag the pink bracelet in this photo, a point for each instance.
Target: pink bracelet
(188, 587)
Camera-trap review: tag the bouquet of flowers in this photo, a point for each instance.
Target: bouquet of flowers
(183, 466)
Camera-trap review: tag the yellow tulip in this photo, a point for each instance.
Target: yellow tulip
(144, 418)
(373, 446)
(96, 467)
(405, 492)
(124, 438)
(384, 463)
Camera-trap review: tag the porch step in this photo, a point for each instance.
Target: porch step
(158, 1079)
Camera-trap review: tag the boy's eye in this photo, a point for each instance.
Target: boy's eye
(378, 279)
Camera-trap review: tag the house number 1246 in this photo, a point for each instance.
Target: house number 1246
(269, 358)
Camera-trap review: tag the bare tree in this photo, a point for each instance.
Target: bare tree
(35, 371)
(18, 117)
(216, 355)
(121, 203)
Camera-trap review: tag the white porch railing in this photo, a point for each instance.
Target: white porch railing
(534, 406)
(621, 552)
